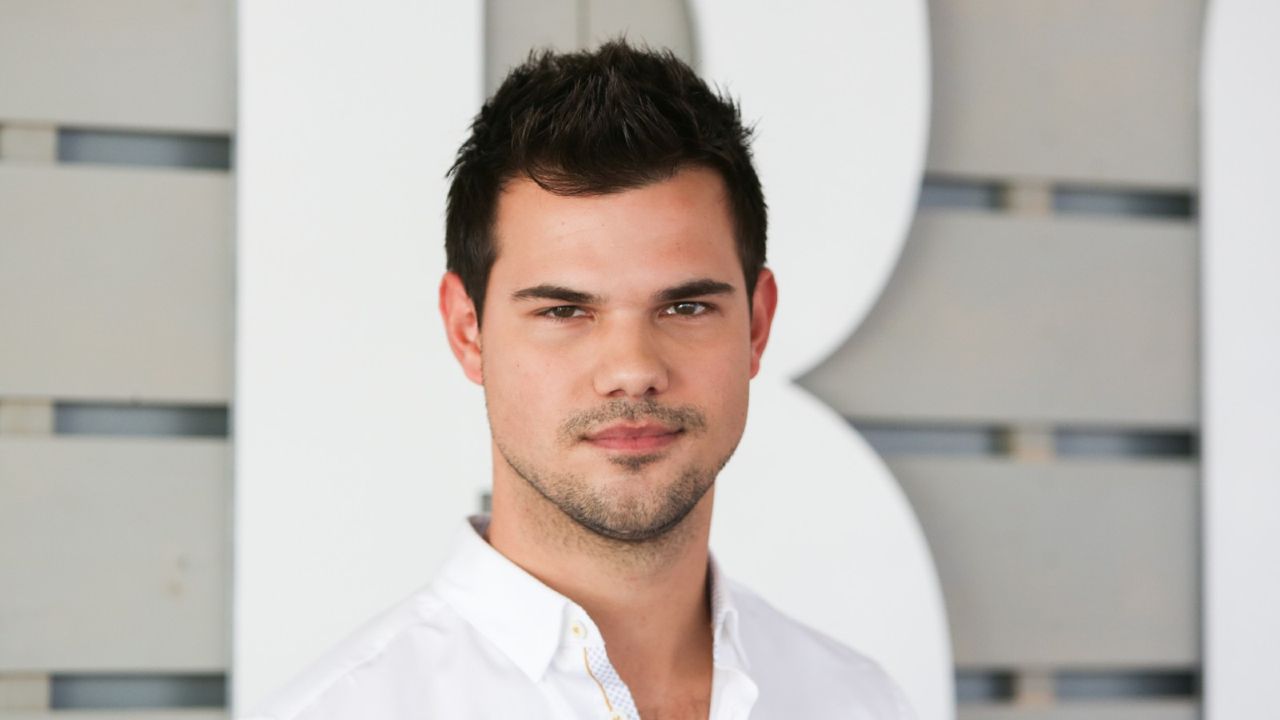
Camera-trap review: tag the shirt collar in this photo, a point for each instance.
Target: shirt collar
(527, 620)
(725, 634)
(510, 607)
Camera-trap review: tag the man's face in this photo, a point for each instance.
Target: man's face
(617, 347)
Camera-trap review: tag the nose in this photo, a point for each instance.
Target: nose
(629, 362)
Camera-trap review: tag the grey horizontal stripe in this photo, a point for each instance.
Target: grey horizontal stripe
(1000, 686)
(979, 194)
(904, 439)
(1110, 685)
(1126, 443)
(978, 686)
(211, 152)
(964, 194)
(143, 420)
(100, 692)
(1099, 201)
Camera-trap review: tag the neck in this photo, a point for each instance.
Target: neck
(648, 599)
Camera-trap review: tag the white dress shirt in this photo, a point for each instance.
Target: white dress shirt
(488, 640)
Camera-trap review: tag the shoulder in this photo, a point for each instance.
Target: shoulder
(796, 666)
(347, 680)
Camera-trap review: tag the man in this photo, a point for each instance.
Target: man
(607, 287)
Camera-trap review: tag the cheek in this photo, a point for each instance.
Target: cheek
(525, 390)
(720, 381)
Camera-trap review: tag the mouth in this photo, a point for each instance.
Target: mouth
(624, 437)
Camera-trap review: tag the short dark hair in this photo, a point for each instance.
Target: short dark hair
(590, 123)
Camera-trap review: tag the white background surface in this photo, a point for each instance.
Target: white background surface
(359, 445)
(1241, 310)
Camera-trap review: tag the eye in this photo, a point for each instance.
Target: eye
(563, 312)
(687, 309)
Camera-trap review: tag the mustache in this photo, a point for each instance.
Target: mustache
(684, 417)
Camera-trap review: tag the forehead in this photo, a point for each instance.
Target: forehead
(652, 235)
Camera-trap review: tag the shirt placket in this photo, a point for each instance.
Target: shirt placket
(584, 638)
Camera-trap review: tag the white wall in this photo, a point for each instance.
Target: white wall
(1241, 385)
(359, 446)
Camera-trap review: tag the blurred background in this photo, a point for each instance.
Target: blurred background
(1030, 373)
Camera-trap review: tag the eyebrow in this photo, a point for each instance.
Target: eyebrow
(694, 288)
(556, 292)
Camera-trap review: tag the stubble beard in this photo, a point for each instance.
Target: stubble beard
(631, 521)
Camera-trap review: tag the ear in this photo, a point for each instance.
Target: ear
(461, 325)
(764, 301)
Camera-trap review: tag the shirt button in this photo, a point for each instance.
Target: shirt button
(579, 630)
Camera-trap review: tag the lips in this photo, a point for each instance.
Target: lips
(629, 437)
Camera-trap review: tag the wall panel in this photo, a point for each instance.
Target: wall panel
(138, 64)
(1061, 564)
(514, 27)
(999, 318)
(1079, 91)
(115, 554)
(659, 23)
(115, 284)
